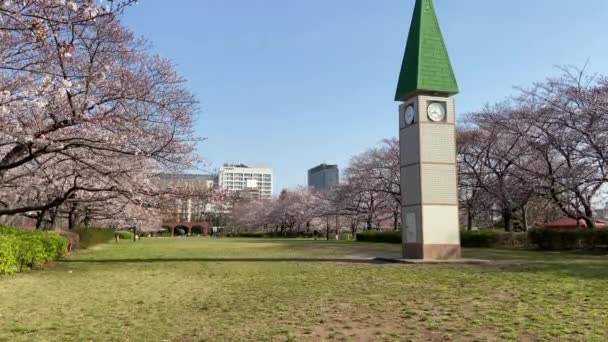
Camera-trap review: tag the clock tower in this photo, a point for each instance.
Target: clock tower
(427, 118)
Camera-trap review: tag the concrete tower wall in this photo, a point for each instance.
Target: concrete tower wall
(429, 182)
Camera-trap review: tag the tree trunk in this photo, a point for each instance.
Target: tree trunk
(71, 220)
(40, 220)
(87, 221)
(395, 220)
(507, 218)
(337, 228)
(590, 222)
(589, 217)
(370, 217)
(469, 219)
(524, 217)
(53, 221)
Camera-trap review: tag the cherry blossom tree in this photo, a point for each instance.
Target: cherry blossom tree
(549, 144)
(564, 122)
(87, 113)
(488, 158)
(374, 176)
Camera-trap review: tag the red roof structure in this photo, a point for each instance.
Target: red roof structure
(568, 223)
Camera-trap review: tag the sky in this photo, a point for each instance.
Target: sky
(295, 83)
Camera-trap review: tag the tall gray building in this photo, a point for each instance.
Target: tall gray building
(323, 177)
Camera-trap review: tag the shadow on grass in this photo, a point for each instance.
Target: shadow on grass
(305, 242)
(595, 270)
(337, 245)
(228, 260)
(565, 264)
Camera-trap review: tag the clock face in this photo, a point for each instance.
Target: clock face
(410, 114)
(436, 111)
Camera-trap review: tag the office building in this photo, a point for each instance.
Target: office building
(324, 177)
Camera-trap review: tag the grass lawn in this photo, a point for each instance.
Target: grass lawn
(180, 290)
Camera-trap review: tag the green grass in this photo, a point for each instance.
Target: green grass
(213, 290)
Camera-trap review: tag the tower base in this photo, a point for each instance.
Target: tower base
(418, 251)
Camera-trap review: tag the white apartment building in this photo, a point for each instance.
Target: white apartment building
(253, 180)
(191, 209)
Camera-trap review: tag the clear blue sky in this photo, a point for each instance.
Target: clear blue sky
(293, 83)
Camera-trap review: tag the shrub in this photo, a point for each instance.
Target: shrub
(72, 237)
(124, 235)
(346, 236)
(8, 255)
(492, 238)
(272, 235)
(256, 235)
(561, 240)
(94, 236)
(23, 249)
(164, 233)
(392, 236)
(198, 230)
(482, 238)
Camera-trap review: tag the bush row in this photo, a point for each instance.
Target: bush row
(559, 240)
(492, 238)
(94, 236)
(124, 235)
(291, 235)
(272, 235)
(21, 250)
(482, 238)
(545, 239)
(392, 236)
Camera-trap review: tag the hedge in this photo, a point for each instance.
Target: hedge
(164, 233)
(90, 237)
(22, 250)
(256, 235)
(560, 240)
(482, 238)
(388, 236)
(492, 238)
(272, 235)
(124, 235)
(72, 238)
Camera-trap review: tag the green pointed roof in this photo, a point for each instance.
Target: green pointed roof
(426, 65)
